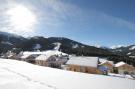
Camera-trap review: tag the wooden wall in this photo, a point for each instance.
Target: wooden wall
(84, 69)
(127, 68)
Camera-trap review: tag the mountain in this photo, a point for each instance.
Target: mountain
(9, 41)
(128, 50)
(66, 45)
(18, 43)
(13, 38)
(126, 54)
(73, 47)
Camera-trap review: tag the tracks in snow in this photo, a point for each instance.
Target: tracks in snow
(29, 79)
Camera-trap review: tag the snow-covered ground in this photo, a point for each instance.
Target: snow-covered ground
(21, 75)
(120, 75)
(57, 45)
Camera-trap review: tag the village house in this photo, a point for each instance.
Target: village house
(29, 58)
(124, 68)
(83, 64)
(51, 61)
(45, 58)
(10, 55)
(19, 55)
(105, 65)
(42, 60)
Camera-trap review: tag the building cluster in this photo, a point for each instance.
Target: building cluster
(96, 65)
(57, 59)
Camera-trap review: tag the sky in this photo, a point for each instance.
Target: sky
(108, 23)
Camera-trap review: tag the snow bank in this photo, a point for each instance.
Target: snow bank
(21, 75)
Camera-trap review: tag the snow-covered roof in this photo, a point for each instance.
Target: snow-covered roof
(42, 57)
(25, 56)
(102, 61)
(83, 61)
(10, 55)
(120, 64)
(21, 75)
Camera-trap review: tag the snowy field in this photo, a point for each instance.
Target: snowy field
(21, 75)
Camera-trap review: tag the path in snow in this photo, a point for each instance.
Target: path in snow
(28, 79)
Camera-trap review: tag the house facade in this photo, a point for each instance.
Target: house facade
(106, 66)
(83, 64)
(124, 68)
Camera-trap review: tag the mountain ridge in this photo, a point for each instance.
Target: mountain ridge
(68, 46)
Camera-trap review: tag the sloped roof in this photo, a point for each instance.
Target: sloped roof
(102, 61)
(83, 61)
(25, 56)
(42, 57)
(120, 64)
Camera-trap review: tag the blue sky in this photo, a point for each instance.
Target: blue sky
(94, 22)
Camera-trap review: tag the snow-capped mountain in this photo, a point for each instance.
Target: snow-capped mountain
(125, 50)
(41, 43)
(9, 41)
(17, 43)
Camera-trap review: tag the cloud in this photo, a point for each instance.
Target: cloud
(16, 18)
(118, 22)
(51, 14)
(55, 14)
